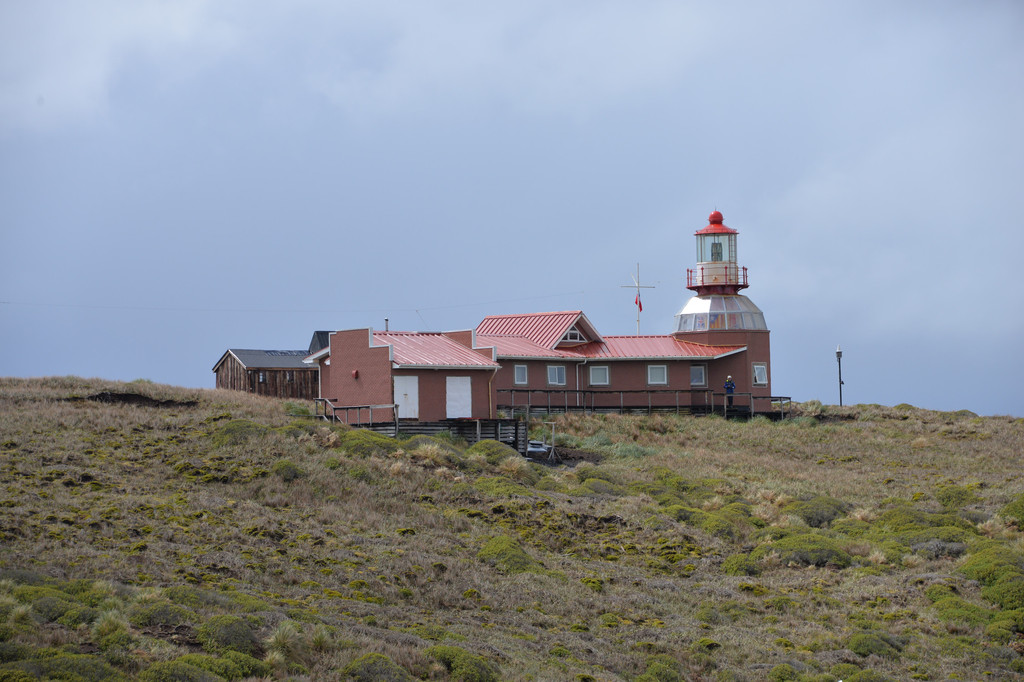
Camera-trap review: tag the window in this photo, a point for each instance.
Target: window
(556, 375)
(760, 373)
(574, 336)
(263, 378)
(698, 375)
(599, 375)
(520, 378)
(289, 376)
(716, 251)
(657, 375)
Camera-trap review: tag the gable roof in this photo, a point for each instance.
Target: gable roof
(265, 359)
(544, 329)
(431, 349)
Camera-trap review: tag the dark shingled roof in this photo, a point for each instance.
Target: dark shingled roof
(320, 340)
(271, 359)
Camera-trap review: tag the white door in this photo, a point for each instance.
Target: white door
(460, 397)
(407, 395)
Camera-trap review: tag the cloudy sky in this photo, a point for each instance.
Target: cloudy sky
(179, 178)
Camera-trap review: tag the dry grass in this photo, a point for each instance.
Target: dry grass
(331, 554)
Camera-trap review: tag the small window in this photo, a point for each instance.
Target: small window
(698, 375)
(556, 375)
(760, 373)
(521, 376)
(716, 251)
(263, 378)
(657, 375)
(574, 335)
(599, 375)
(289, 376)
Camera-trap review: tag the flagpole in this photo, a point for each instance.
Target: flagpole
(636, 301)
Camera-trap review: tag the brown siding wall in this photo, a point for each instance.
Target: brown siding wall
(303, 384)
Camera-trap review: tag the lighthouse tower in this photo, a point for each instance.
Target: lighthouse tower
(719, 315)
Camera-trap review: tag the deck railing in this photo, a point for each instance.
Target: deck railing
(328, 410)
(680, 400)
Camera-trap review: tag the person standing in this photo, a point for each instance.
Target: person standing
(730, 388)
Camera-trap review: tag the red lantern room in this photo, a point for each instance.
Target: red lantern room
(716, 271)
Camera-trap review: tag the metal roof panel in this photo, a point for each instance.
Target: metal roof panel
(431, 349)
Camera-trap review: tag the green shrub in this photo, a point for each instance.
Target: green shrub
(13, 651)
(247, 665)
(868, 676)
(904, 518)
(955, 497)
(956, 609)
(805, 549)
(508, 555)
(375, 668)
(1007, 591)
(149, 614)
(818, 512)
(228, 633)
(492, 450)
(602, 487)
(194, 597)
(65, 666)
(177, 671)
(875, 643)
(218, 666)
(500, 486)
(990, 564)
(464, 666)
(287, 470)
(740, 564)
(1014, 510)
(364, 443)
(782, 673)
(50, 609)
(661, 671)
(78, 615)
(236, 432)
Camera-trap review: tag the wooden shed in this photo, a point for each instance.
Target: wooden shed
(276, 373)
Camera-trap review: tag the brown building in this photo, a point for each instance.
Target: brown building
(429, 376)
(275, 373)
(718, 355)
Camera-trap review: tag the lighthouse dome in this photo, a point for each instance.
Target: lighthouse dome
(719, 312)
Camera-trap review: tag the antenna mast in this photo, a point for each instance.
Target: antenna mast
(636, 285)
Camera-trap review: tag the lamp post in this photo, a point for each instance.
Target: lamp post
(839, 359)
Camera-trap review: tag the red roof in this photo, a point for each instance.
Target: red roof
(544, 329)
(610, 348)
(644, 347)
(520, 347)
(430, 349)
(715, 225)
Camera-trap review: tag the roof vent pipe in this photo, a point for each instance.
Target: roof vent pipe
(385, 324)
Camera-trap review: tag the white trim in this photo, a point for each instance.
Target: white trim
(515, 375)
(607, 375)
(754, 367)
(704, 371)
(657, 383)
(565, 376)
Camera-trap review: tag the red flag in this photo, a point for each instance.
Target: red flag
(639, 304)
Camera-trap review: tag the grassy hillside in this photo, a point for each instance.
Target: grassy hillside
(206, 535)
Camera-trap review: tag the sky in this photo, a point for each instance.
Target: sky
(180, 178)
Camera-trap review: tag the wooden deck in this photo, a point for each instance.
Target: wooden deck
(538, 402)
